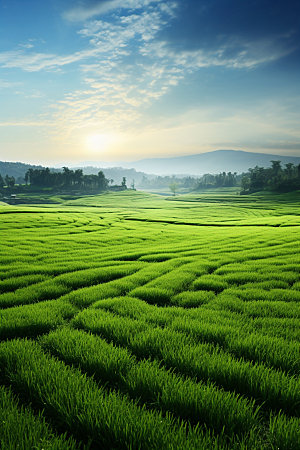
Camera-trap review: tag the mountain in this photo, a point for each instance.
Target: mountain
(210, 162)
(199, 164)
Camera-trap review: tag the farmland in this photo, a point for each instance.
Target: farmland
(130, 320)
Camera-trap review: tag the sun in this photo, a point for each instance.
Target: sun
(98, 142)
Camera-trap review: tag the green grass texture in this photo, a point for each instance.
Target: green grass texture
(137, 321)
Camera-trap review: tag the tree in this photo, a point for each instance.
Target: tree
(173, 187)
(289, 169)
(1, 181)
(124, 182)
(102, 181)
(10, 181)
(67, 174)
(276, 167)
(245, 184)
(78, 177)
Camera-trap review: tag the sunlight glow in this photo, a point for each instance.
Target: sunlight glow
(98, 142)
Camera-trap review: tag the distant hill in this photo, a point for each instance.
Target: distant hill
(16, 169)
(117, 173)
(210, 162)
(199, 164)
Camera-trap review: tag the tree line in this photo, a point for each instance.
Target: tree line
(275, 178)
(66, 179)
(224, 179)
(7, 181)
(207, 181)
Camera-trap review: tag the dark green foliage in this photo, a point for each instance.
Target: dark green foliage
(223, 179)
(68, 178)
(285, 432)
(9, 181)
(274, 179)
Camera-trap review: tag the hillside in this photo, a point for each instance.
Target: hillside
(210, 162)
(16, 169)
(197, 165)
(117, 173)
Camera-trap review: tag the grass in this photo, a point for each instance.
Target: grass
(148, 381)
(22, 429)
(76, 404)
(130, 320)
(201, 361)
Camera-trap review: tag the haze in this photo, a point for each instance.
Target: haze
(120, 80)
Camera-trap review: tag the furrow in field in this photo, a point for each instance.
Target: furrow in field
(76, 404)
(152, 384)
(203, 361)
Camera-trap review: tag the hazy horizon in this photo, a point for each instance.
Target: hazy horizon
(114, 164)
(113, 81)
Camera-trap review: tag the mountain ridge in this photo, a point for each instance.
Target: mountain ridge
(194, 165)
(210, 162)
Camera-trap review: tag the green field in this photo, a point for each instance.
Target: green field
(138, 321)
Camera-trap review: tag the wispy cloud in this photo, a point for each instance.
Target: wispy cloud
(26, 45)
(35, 62)
(235, 53)
(4, 84)
(84, 12)
(104, 37)
(126, 66)
(27, 123)
(121, 80)
(132, 68)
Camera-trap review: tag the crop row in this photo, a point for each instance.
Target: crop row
(22, 429)
(63, 284)
(33, 320)
(147, 380)
(203, 361)
(75, 403)
(231, 333)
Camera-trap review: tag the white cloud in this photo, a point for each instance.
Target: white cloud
(234, 54)
(34, 62)
(131, 69)
(104, 38)
(125, 69)
(120, 81)
(26, 45)
(82, 13)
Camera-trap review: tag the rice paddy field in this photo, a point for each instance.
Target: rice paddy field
(136, 321)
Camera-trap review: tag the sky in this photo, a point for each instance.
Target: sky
(121, 80)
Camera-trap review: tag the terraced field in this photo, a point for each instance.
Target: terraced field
(142, 322)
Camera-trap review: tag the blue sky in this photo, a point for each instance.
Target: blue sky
(118, 80)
